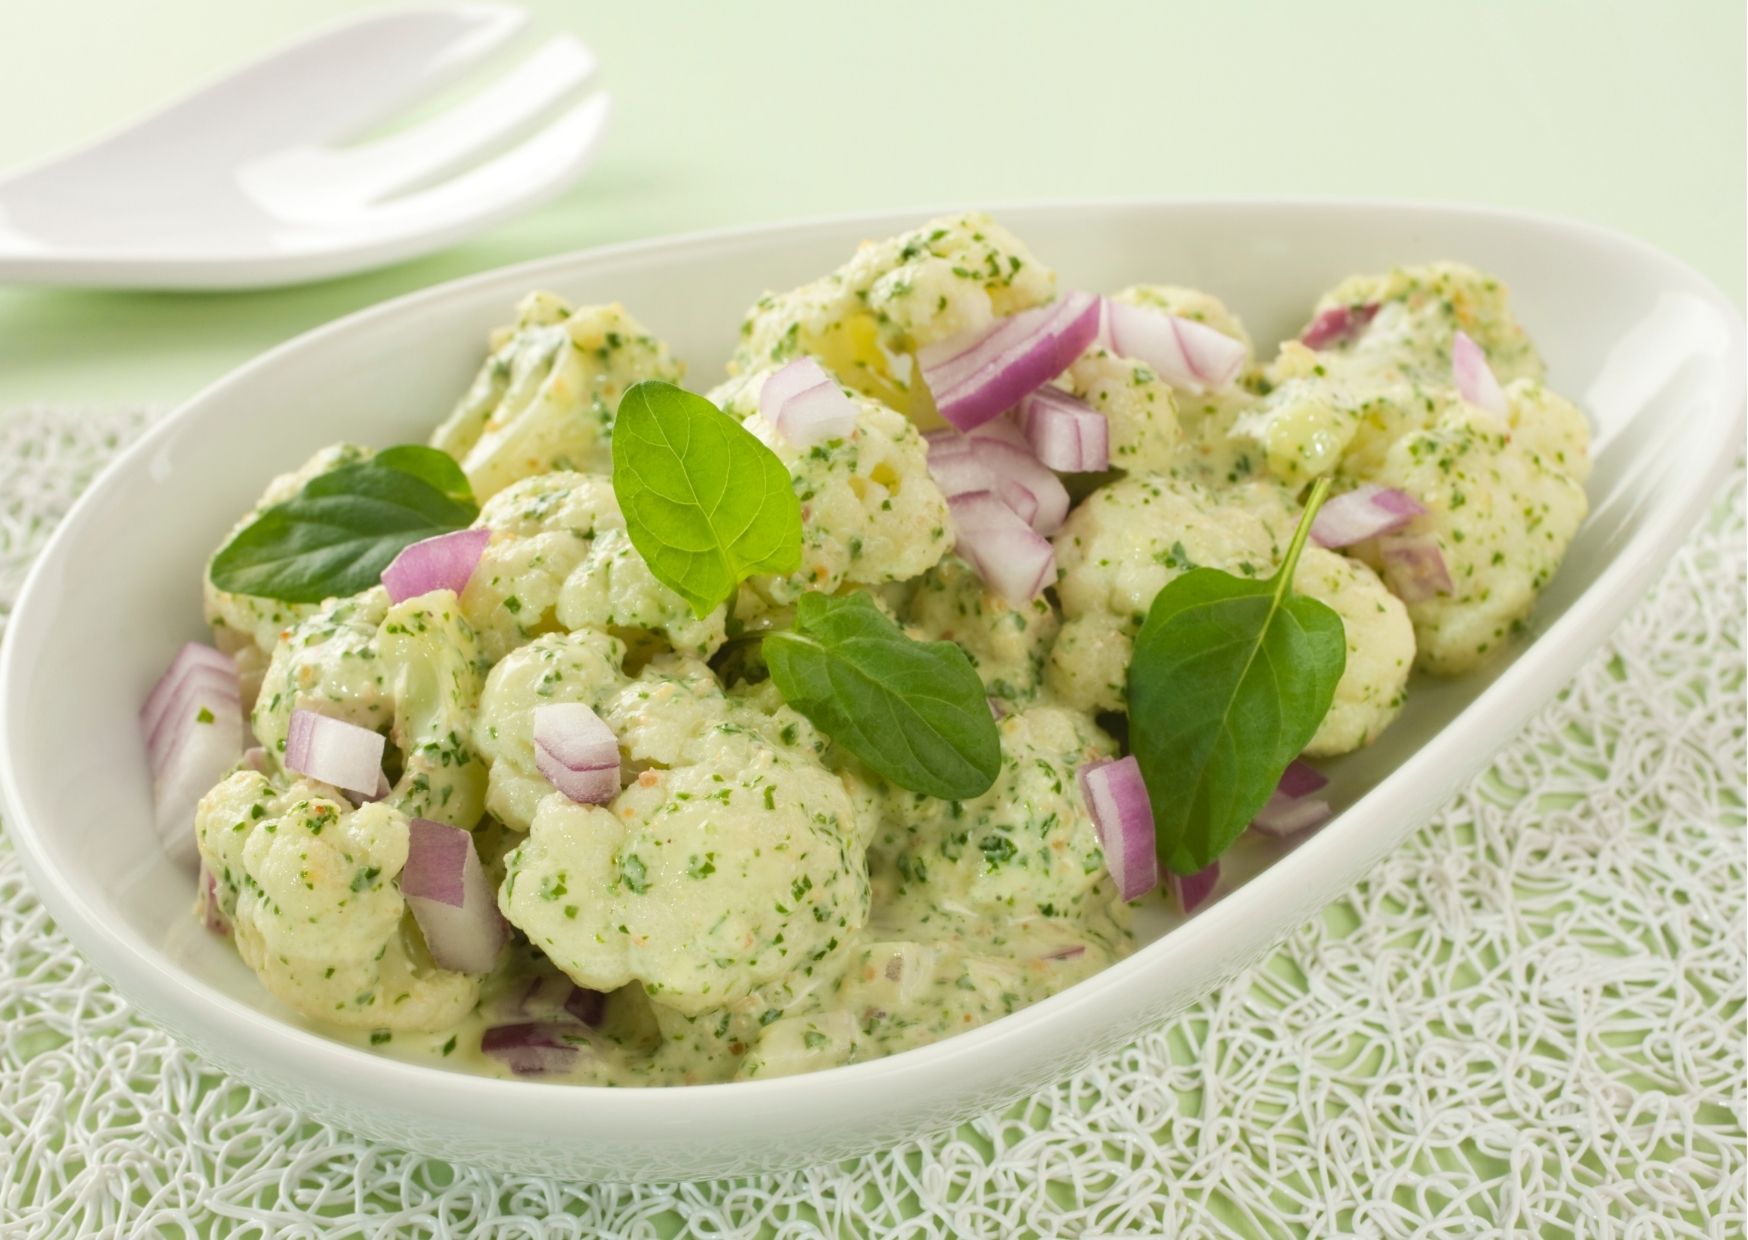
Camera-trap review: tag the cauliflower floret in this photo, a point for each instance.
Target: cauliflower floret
(556, 667)
(1140, 407)
(1025, 846)
(727, 864)
(1419, 311)
(1380, 650)
(1344, 405)
(955, 274)
(245, 626)
(1116, 551)
(1007, 644)
(547, 395)
(1501, 513)
(870, 511)
(412, 668)
(311, 887)
(1121, 547)
(560, 557)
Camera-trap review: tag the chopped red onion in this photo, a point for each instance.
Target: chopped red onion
(1474, 377)
(806, 405)
(1338, 325)
(446, 562)
(1185, 353)
(446, 887)
(334, 751)
(1192, 890)
(255, 758)
(191, 659)
(1301, 779)
(976, 376)
(1021, 481)
(1066, 433)
(996, 457)
(1414, 568)
(547, 996)
(1066, 953)
(577, 752)
(1014, 560)
(955, 470)
(1116, 797)
(1286, 815)
(535, 1048)
(193, 725)
(588, 1006)
(1364, 512)
(1290, 808)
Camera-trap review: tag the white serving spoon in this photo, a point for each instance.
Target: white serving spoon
(248, 181)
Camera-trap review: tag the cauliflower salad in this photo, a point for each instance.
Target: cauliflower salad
(625, 734)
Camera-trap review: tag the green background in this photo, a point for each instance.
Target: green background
(1627, 114)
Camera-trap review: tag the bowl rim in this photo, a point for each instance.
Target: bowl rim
(293, 1050)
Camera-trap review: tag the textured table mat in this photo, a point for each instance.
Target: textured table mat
(1528, 1020)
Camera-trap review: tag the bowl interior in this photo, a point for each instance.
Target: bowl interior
(1651, 352)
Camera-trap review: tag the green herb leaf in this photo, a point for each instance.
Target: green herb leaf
(1229, 681)
(706, 504)
(433, 466)
(914, 711)
(334, 537)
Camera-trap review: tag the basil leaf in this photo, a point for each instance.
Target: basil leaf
(915, 712)
(334, 537)
(1229, 681)
(706, 504)
(430, 464)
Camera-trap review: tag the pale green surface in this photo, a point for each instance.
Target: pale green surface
(1627, 114)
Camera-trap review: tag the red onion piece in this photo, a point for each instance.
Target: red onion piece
(1364, 512)
(1021, 481)
(1338, 325)
(996, 457)
(1286, 815)
(334, 751)
(446, 887)
(255, 758)
(1301, 779)
(1183, 352)
(1474, 377)
(1116, 797)
(588, 1006)
(1191, 891)
(1290, 808)
(806, 405)
(1414, 568)
(535, 1048)
(446, 562)
(193, 726)
(577, 753)
(1066, 953)
(955, 470)
(190, 659)
(976, 376)
(1014, 560)
(1065, 433)
(548, 996)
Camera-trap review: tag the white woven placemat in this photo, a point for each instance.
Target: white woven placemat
(1528, 1020)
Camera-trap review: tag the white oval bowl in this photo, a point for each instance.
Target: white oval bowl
(1653, 352)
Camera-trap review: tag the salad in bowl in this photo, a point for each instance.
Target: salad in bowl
(623, 734)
